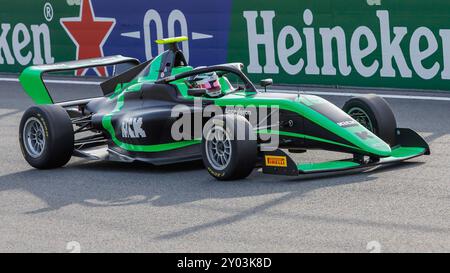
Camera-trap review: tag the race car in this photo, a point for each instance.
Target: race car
(147, 109)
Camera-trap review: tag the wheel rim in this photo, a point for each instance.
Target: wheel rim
(218, 148)
(33, 137)
(361, 117)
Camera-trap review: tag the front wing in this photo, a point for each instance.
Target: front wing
(409, 145)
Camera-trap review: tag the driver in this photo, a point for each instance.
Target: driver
(207, 81)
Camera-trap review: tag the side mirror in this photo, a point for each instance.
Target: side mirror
(196, 92)
(266, 82)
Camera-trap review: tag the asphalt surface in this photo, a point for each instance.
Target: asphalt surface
(111, 207)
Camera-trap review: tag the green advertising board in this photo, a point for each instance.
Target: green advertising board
(370, 43)
(31, 34)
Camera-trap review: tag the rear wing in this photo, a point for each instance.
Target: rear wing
(33, 83)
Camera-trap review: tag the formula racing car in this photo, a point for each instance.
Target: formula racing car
(164, 111)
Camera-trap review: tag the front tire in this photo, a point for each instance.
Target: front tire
(46, 136)
(374, 113)
(229, 147)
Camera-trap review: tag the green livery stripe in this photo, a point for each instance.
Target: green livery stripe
(154, 70)
(290, 134)
(405, 152)
(146, 148)
(327, 166)
(32, 83)
(372, 145)
(398, 154)
(107, 124)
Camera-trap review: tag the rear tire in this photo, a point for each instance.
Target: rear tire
(233, 157)
(374, 113)
(46, 136)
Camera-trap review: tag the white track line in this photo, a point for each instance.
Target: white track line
(320, 93)
(348, 94)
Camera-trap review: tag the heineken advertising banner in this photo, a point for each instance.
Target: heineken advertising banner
(369, 43)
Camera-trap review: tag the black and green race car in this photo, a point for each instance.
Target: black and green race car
(145, 103)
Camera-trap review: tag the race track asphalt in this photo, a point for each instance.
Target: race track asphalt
(111, 207)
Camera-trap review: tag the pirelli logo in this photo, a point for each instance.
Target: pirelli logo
(276, 161)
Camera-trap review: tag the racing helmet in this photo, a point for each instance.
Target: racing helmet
(209, 82)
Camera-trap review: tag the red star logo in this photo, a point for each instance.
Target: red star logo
(89, 33)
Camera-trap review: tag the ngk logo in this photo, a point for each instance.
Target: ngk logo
(132, 128)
